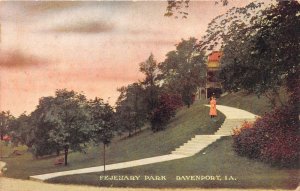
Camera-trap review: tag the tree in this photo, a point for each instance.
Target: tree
(150, 83)
(261, 58)
(22, 131)
(166, 109)
(184, 66)
(223, 27)
(102, 123)
(5, 119)
(179, 7)
(131, 107)
(69, 116)
(265, 56)
(42, 144)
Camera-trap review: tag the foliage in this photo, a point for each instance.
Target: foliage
(102, 123)
(131, 108)
(5, 120)
(65, 121)
(186, 67)
(264, 56)
(175, 8)
(150, 83)
(62, 122)
(41, 127)
(166, 109)
(245, 125)
(274, 138)
(22, 131)
(223, 27)
(179, 7)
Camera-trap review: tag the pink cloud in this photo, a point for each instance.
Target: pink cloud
(17, 59)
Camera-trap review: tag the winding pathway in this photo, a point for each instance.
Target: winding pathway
(234, 117)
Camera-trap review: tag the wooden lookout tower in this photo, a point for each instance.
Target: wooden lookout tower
(213, 84)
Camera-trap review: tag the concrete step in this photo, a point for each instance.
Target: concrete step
(225, 130)
(224, 134)
(195, 144)
(183, 153)
(200, 141)
(191, 148)
(206, 136)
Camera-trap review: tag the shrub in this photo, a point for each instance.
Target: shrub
(248, 140)
(166, 109)
(245, 125)
(274, 138)
(283, 150)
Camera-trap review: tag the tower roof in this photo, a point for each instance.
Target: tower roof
(215, 56)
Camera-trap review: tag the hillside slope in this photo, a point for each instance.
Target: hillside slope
(187, 123)
(249, 102)
(217, 159)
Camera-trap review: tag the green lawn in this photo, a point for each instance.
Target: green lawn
(186, 124)
(219, 159)
(249, 103)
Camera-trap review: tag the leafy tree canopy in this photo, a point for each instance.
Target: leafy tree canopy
(265, 55)
(131, 107)
(102, 123)
(183, 66)
(178, 8)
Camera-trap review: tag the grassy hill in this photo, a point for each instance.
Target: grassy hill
(187, 123)
(218, 159)
(251, 103)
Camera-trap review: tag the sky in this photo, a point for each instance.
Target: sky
(89, 47)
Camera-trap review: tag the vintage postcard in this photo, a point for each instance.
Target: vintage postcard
(149, 95)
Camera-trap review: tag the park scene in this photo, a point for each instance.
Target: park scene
(149, 95)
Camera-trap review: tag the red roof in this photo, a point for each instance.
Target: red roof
(6, 138)
(215, 56)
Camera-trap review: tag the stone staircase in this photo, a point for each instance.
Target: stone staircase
(234, 118)
(196, 144)
(229, 125)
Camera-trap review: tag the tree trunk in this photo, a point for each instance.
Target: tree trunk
(57, 152)
(104, 157)
(1, 136)
(66, 154)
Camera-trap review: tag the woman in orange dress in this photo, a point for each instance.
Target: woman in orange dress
(213, 109)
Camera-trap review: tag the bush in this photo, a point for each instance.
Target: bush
(166, 109)
(283, 150)
(274, 138)
(246, 140)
